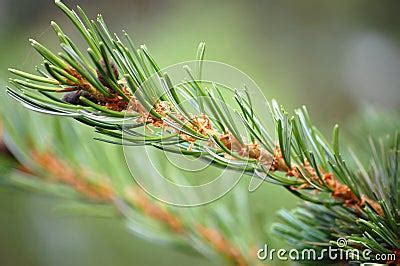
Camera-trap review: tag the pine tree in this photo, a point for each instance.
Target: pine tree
(108, 90)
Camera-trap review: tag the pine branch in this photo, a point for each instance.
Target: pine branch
(52, 169)
(107, 88)
(99, 95)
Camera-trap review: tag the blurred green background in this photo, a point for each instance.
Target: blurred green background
(332, 56)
